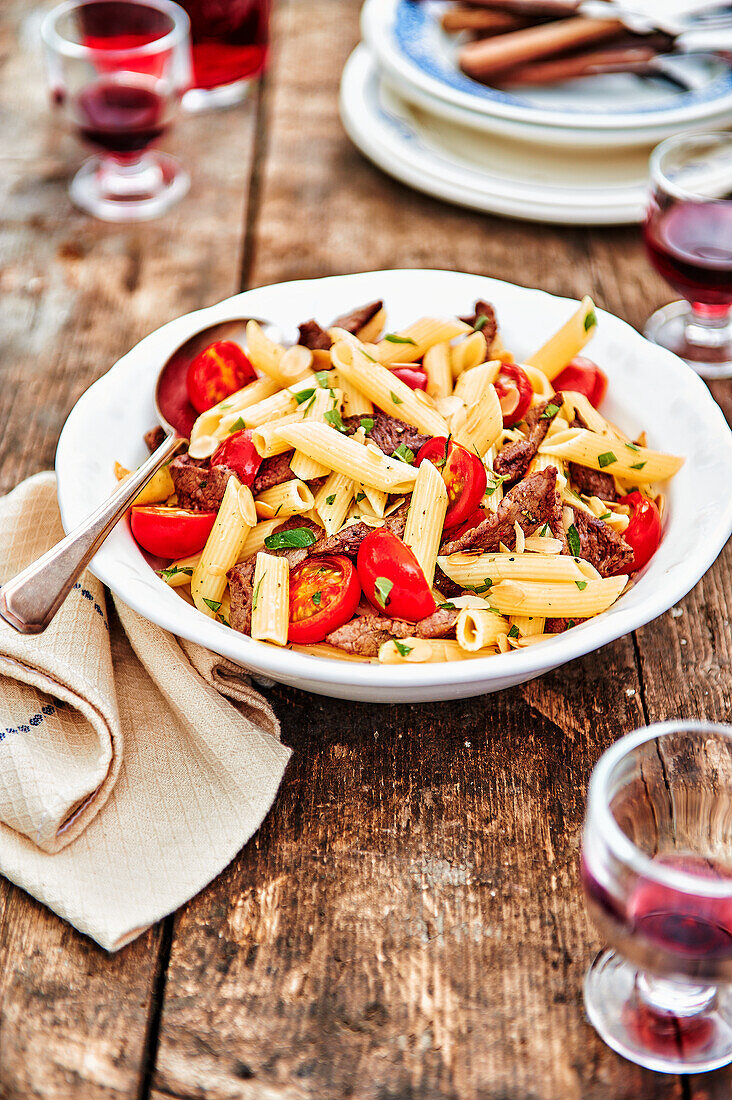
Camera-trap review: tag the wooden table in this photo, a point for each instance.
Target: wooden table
(407, 924)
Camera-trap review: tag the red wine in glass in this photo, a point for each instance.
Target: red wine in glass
(690, 245)
(230, 40)
(120, 116)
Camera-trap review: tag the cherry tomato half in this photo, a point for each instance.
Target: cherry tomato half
(472, 521)
(392, 578)
(514, 393)
(414, 377)
(218, 371)
(324, 593)
(239, 453)
(583, 376)
(171, 532)
(643, 533)
(463, 473)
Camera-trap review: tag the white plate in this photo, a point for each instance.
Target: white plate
(495, 174)
(409, 43)
(649, 388)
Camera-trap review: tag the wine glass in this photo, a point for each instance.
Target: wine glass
(657, 876)
(118, 69)
(230, 45)
(688, 237)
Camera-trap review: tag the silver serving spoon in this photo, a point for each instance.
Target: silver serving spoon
(29, 601)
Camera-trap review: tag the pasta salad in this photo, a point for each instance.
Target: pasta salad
(403, 497)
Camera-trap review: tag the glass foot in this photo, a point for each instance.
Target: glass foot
(215, 99)
(706, 348)
(694, 1038)
(136, 192)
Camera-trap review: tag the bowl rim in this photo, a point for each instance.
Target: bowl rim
(182, 619)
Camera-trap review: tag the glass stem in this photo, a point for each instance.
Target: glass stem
(709, 326)
(665, 997)
(129, 177)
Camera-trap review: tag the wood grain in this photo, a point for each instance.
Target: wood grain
(74, 295)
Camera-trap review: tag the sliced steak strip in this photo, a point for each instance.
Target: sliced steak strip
(154, 438)
(314, 337)
(357, 318)
(365, 634)
(558, 626)
(514, 460)
(273, 471)
(532, 503)
(200, 487)
(490, 327)
(593, 483)
(348, 541)
(388, 432)
(601, 545)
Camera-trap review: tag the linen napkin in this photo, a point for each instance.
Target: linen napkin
(133, 766)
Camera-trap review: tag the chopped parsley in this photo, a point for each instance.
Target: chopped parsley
(316, 598)
(494, 482)
(237, 426)
(448, 606)
(395, 399)
(333, 417)
(632, 446)
(570, 623)
(543, 531)
(574, 541)
(224, 620)
(590, 320)
(480, 322)
(255, 597)
(383, 588)
(297, 538)
(309, 405)
(360, 497)
(606, 459)
(173, 571)
(606, 515)
(637, 466)
(395, 338)
(330, 499)
(582, 585)
(369, 357)
(402, 649)
(514, 631)
(550, 411)
(303, 395)
(478, 588)
(367, 423)
(215, 605)
(403, 452)
(322, 377)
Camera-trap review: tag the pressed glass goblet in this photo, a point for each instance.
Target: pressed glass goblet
(118, 70)
(657, 876)
(688, 236)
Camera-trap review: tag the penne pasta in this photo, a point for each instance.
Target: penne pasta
(266, 437)
(315, 408)
(376, 498)
(346, 456)
(421, 651)
(332, 652)
(159, 487)
(478, 628)
(333, 501)
(426, 518)
(205, 428)
(482, 571)
(557, 600)
(473, 383)
(438, 369)
(235, 518)
(540, 384)
(483, 424)
(271, 599)
(553, 356)
(626, 460)
(373, 329)
(291, 498)
(284, 366)
(411, 343)
(528, 626)
(353, 402)
(256, 536)
(468, 353)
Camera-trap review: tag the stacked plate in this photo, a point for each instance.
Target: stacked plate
(574, 153)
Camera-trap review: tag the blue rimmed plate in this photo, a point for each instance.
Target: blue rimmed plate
(410, 45)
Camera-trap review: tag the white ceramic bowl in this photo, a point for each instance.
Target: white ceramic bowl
(649, 388)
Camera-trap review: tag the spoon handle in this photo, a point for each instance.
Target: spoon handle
(29, 601)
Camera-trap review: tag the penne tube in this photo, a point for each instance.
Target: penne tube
(625, 460)
(426, 651)
(353, 402)
(271, 599)
(315, 408)
(469, 353)
(411, 343)
(540, 384)
(482, 571)
(373, 329)
(266, 437)
(426, 518)
(483, 424)
(557, 600)
(159, 487)
(478, 628)
(333, 500)
(291, 498)
(235, 517)
(284, 366)
(208, 422)
(553, 356)
(256, 536)
(377, 499)
(346, 456)
(577, 403)
(324, 649)
(528, 625)
(474, 382)
(498, 350)
(386, 390)
(438, 368)
(279, 404)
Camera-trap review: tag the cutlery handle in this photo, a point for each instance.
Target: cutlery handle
(486, 57)
(29, 601)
